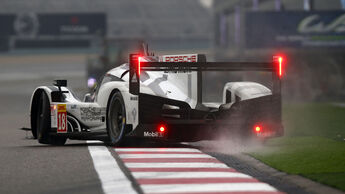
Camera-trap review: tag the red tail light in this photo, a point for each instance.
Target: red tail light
(279, 60)
(161, 128)
(135, 60)
(257, 129)
(139, 59)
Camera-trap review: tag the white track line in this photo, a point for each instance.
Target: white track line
(216, 187)
(157, 150)
(177, 165)
(164, 156)
(111, 176)
(164, 175)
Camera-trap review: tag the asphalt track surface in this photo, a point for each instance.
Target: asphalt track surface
(92, 167)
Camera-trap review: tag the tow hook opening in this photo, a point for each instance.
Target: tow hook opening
(210, 117)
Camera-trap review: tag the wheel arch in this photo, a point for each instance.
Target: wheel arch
(33, 107)
(111, 95)
(131, 101)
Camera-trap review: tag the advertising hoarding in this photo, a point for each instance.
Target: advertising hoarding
(296, 29)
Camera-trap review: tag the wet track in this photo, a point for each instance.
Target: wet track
(92, 167)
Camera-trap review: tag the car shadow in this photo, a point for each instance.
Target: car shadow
(128, 143)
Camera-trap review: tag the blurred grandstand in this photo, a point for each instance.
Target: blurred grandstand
(174, 23)
(223, 29)
(256, 29)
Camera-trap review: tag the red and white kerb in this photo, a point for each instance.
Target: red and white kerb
(186, 170)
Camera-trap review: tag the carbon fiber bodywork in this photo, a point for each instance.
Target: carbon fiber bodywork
(186, 124)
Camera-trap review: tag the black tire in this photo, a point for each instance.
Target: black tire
(116, 118)
(43, 123)
(33, 114)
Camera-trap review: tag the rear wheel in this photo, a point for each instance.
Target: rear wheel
(116, 118)
(43, 123)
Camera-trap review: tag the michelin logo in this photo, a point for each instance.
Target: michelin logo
(153, 134)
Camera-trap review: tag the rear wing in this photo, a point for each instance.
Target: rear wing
(136, 65)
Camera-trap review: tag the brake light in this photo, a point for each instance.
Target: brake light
(161, 128)
(257, 129)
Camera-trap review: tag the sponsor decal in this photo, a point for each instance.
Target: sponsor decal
(315, 24)
(92, 113)
(266, 134)
(135, 98)
(153, 134)
(178, 69)
(295, 29)
(61, 107)
(180, 58)
(74, 106)
(74, 29)
(177, 59)
(61, 118)
(26, 25)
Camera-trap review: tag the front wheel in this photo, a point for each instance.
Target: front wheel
(43, 123)
(116, 118)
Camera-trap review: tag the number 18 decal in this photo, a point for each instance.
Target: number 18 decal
(61, 118)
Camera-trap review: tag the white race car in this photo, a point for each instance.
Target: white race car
(159, 97)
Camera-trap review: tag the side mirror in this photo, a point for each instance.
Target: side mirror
(60, 83)
(88, 98)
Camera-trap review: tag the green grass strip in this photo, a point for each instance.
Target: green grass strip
(312, 157)
(324, 120)
(314, 145)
